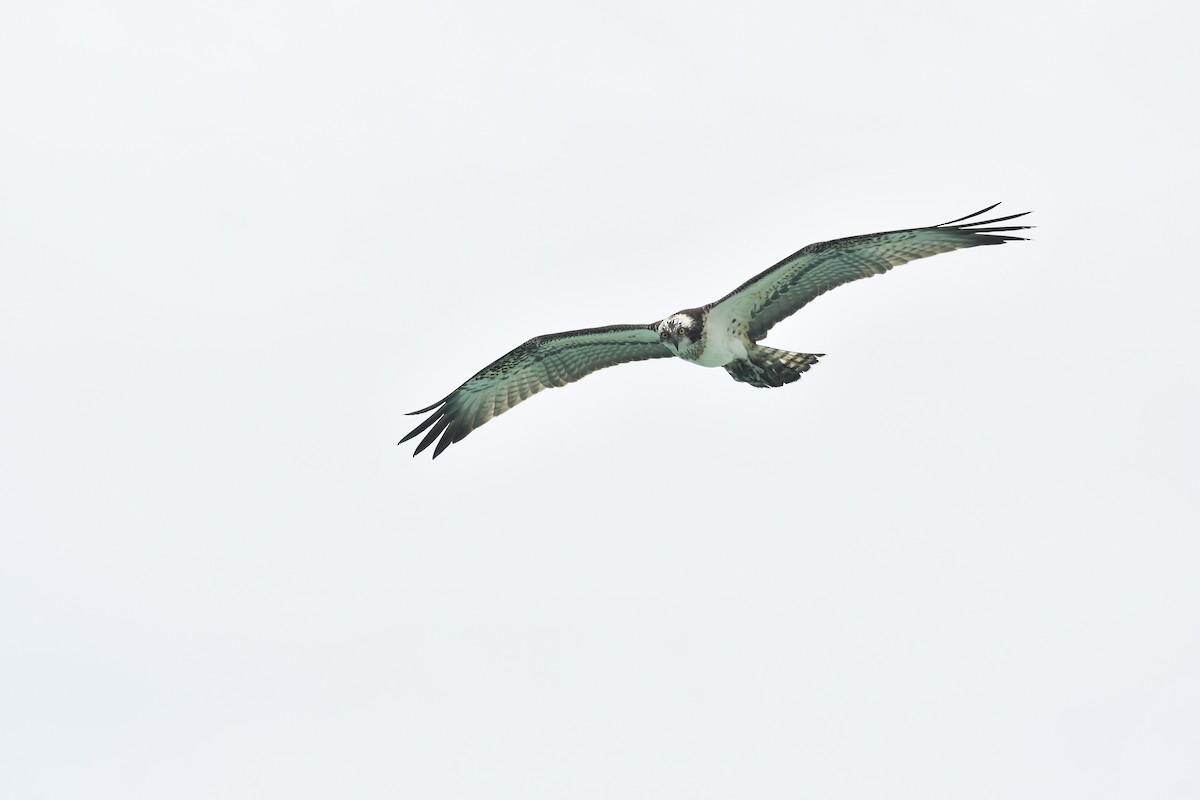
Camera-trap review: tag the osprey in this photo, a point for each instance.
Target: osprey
(721, 334)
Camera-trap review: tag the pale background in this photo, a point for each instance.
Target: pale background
(239, 239)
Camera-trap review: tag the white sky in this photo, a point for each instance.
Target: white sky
(239, 239)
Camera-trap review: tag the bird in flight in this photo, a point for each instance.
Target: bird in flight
(721, 334)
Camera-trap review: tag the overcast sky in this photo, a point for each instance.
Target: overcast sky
(238, 240)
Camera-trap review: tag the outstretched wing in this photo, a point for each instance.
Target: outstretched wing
(791, 284)
(543, 362)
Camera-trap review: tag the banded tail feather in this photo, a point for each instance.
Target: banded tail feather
(769, 368)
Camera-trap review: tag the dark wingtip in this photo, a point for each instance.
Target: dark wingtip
(987, 231)
(417, 430)
(434, 432)
(968, 216)
(451, 435)
(438, 420)
(426, 408)
(978, 222)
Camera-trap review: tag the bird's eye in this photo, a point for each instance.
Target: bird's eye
(662, 334)
(683, 330)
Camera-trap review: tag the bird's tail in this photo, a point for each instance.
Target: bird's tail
(767, 367)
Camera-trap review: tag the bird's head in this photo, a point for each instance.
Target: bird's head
(682, 330)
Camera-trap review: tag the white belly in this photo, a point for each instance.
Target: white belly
(724, 340)
(720, 348)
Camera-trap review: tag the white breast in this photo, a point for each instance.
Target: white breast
(724, 341)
